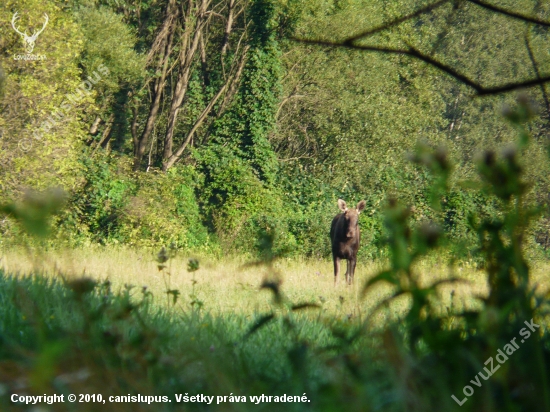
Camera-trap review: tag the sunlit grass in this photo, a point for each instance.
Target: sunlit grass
(232, 285)
(209, 350)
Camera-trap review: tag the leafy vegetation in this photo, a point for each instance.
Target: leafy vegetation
(264, 131)
(232, 127)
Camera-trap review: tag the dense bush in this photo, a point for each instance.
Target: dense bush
(114, 206)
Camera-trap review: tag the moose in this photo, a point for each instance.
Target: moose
(345, 237)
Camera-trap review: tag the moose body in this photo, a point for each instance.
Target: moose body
(345, 237)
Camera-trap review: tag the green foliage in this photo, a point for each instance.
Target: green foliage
(164, 210)
(114, 206)
(350, 118)
(41, 140)
(109, 41)
(294, 346)
(100, 202)
(305, 125)
(237, 203)
(252, 116)
(510, 303)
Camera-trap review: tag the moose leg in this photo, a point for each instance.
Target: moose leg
(351, 270)
(336, 269)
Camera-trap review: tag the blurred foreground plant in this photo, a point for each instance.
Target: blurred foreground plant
(454, 355)
(35, 210)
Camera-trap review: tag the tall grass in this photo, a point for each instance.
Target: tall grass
(231, 286)
(80, 337)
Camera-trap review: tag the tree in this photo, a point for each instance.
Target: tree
(39, 111)
(355, 41)
(180, 42)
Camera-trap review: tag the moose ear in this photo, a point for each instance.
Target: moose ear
(342, 205)
(361, 206)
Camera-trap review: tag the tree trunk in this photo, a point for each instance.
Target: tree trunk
(106, 133)
(228, 26)
(229, 84)
(163, 42)
(186, 57)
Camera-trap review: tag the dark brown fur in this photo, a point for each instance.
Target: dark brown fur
(345, 237)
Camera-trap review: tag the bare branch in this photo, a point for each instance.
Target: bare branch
(95, 126)
(396, 21)
(508, 87)
(537, 72)
(163, 46)
(189, 47)
(228, 26)
(290, 159)
(350, 43)
(233, 87)
(480, 90)
(169, 161)
(293, 95)
(411, 52)
(106, 134)
(511, 14)
(438, 4)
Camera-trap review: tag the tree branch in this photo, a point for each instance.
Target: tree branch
(350, 43)
(537, 72)
(438, 4)
(511, 14)
(480, 90)
(396, 21)
(228, 26)
(169, 162)
(411, 52)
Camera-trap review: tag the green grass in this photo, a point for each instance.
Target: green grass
(232, 284)
(97, 342)
(62, 334)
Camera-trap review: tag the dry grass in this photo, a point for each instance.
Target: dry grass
(232, 286)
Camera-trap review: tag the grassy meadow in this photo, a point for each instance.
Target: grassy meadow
(231, 285)
(122, 334)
